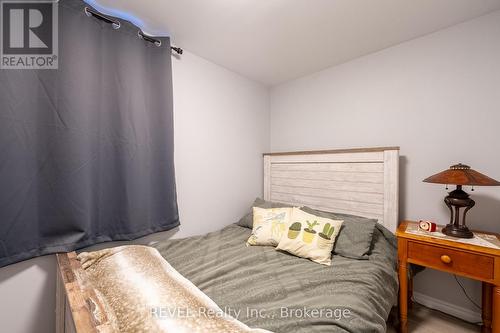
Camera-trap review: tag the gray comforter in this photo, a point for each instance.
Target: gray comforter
(279, 292)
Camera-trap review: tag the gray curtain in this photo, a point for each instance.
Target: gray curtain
(86, 151)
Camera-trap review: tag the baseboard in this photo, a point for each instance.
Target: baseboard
(451, 309)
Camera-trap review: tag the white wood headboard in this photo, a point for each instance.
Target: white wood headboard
(363, 182)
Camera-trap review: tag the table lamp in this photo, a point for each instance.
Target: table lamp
(460, 175)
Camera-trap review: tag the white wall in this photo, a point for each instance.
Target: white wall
(221, 130)
(438, 97)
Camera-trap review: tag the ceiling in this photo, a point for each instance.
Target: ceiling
(273, 41)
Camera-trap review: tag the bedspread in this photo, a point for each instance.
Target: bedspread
(143, 293)
(277, 291)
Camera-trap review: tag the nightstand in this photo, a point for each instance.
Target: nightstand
(476, 262)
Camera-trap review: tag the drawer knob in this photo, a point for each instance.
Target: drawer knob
(446, 259)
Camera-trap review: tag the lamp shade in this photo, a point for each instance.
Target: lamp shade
(461, 174)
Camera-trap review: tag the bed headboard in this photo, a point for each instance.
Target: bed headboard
(362, 182)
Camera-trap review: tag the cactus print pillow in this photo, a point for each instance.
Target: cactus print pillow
(269, 225)
(310, 236)
(355, 239)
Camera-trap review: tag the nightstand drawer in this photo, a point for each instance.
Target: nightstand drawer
(474, 265)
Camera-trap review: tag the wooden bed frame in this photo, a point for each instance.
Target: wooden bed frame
(77, 307)
(354, 181)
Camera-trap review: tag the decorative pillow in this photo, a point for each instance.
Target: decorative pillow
(247, 220)
(269, 225)
(355, 237)
(310, 236)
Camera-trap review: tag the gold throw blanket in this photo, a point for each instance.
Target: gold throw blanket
(142, 292)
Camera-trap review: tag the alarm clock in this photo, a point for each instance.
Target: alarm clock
(427, 226)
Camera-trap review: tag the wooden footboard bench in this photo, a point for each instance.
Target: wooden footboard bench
(78, 308)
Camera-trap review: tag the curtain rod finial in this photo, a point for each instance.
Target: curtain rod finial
(178, 50)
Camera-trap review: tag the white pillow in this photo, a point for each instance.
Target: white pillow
(269, 225)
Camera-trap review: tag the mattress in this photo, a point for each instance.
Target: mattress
(279, 292)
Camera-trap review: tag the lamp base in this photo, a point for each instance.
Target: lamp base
(457, 231)
(456, 200)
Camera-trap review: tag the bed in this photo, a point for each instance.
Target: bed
(273, 290)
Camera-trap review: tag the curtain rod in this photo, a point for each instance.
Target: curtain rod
(157, 42)
(116, 25)
(90, 12)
